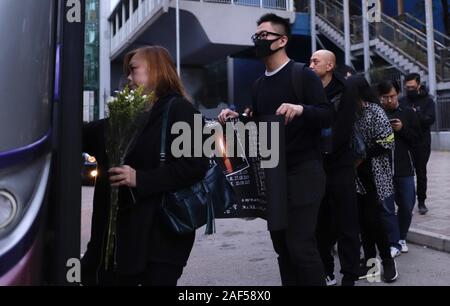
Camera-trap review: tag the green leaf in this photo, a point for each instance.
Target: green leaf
(124, 111)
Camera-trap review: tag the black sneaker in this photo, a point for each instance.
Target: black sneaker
(390, 273)
(422, 208)
(347, 282)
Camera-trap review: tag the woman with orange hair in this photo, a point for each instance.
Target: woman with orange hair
(147, 251)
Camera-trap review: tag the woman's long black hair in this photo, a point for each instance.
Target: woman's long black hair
(363, 91)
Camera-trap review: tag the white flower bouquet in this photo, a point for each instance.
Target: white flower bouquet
(124, 112)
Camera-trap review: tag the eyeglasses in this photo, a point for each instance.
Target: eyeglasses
(411, 88)
(263, 35)
(389, 98)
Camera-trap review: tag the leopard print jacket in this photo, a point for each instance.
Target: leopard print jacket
(376, 129)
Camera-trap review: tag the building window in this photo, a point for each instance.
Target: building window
(91, 54)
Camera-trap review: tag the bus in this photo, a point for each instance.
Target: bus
(41, 92)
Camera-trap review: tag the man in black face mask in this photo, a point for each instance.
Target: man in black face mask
(294, 91)
(422, 103)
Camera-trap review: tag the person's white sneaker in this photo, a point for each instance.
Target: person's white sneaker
(331, 280)
(404, 246)
(395, 252)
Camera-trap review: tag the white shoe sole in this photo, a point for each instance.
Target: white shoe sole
(369, 275)
(397, 254)
(404, 247)
(331, 282)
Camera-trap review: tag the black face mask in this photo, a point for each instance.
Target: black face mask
(262, 47)
(412, 94)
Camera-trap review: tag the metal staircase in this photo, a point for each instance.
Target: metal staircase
(419, 27)
(397, 42)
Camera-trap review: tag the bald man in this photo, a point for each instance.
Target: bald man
(323, 63)
(338, 215)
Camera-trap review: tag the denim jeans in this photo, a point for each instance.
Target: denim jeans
(390, 221)
(405, 198)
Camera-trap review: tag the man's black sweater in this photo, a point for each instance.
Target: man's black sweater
(303, 132)
(405, 139)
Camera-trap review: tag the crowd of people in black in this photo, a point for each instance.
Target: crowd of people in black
(352, 154)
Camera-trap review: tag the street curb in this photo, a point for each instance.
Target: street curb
(432, 240)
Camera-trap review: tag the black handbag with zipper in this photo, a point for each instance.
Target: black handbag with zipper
(190, 208)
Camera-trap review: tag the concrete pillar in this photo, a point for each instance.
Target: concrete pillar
(313, 26)
(123, 14)
(400, 7)
(131, 7)
(431, 53)
(366, 39)
(230, 78)
(105, 36)
(177, 29)
(347, 43)
(117, 22)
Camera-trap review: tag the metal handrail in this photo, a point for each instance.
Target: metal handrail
(419, 43)
(327, 4)
(423, 35)
(386, 19)
(406, 40)
(339, 6)
(406, 26)
(441, 38)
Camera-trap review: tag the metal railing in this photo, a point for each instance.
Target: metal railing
(442, 43)
(330, 12)
(127, 18)
(136, 17)
(271, 4)
(418, 25)
(378, 75)
(405, 41)
(443, 109)
(411, 43)
(414, 44)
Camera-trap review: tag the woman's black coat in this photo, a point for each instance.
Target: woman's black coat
(142, 236)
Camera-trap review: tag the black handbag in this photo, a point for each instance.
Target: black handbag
(190, 208)
(358, 145)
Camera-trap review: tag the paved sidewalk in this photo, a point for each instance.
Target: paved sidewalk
(433, 229)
